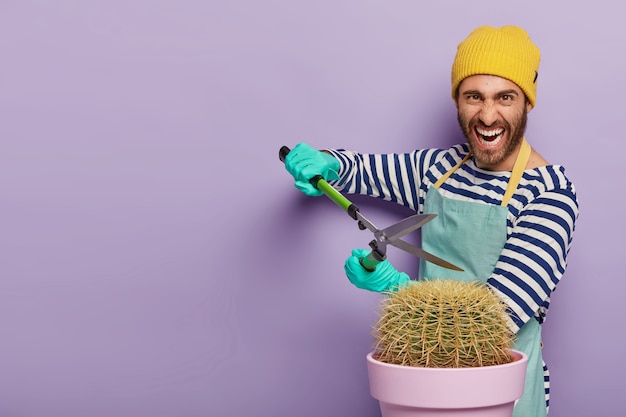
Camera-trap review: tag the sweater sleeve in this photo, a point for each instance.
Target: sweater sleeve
(535, 254)
(396, 177)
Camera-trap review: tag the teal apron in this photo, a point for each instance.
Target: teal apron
(472, 235)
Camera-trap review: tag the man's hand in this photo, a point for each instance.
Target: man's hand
(304, 162)
(383, 279)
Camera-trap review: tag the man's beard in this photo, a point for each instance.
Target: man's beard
(490, 157)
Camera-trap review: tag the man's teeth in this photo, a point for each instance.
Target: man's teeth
(490, 133)
(489, 136)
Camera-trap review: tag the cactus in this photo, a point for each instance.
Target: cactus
(443, 324)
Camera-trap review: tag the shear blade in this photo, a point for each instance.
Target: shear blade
(420, 253)
(405, 226)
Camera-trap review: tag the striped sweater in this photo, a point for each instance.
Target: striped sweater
(540, 221)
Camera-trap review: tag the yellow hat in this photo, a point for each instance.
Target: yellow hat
(506, 52)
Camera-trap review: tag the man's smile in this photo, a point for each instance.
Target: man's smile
(489, 137)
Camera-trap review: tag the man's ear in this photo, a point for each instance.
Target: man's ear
(529, 106)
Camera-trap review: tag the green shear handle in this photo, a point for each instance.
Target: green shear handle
(376, 255)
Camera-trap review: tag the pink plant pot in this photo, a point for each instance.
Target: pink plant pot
(488, 391)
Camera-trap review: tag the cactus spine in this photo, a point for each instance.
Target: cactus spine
(443, 324)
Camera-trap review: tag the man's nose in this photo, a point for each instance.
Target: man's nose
(488, 113)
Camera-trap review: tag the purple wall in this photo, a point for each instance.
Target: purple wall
(155, 258)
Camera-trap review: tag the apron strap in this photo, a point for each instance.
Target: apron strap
(518, 171)
(516, 175)
(451, 171)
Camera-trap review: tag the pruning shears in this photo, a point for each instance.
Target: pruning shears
(382, 237)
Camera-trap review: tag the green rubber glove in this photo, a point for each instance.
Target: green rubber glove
(383, 279)
(304, 162)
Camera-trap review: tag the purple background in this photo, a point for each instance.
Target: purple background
(155, 258)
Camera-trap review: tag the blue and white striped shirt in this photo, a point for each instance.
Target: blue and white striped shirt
(540, 222)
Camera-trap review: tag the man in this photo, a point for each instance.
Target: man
(504, 214)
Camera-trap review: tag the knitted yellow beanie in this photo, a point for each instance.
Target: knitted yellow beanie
(506, 52)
